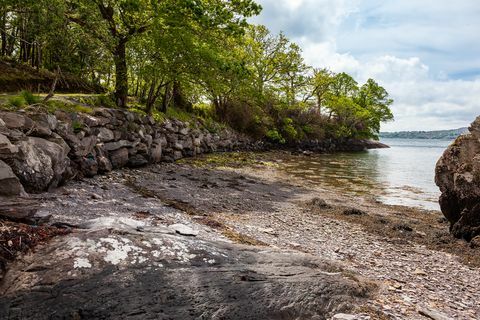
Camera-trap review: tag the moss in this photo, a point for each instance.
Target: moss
(228, 159)
(54, 105)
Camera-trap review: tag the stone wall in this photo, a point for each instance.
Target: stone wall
(458, 176)
(39, 151)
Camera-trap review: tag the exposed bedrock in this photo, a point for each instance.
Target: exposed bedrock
(113, 271)
(458, 176)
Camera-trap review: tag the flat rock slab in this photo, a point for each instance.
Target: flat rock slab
(183, 230)
(119, 273)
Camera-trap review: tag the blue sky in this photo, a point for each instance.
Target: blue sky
(426, 53)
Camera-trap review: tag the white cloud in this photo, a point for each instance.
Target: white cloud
(425, 53)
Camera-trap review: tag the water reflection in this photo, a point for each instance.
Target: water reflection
(401, 175)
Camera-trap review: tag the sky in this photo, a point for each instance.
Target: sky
(426, 53)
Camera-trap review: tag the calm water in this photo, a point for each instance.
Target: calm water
(403, 174)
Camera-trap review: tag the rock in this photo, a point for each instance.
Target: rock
(89, 166)
(80, 147)
(457, 174)
(119, 158)
(183, 230)
(9, 183)
(112, 146)
(7, 149)
(22, 210)
(475, 243)
(178, 146)
(319, 203)
(92, 121)
(420, 272)
(41, 163)
(433, 314)
(16, 121)
(104, 135)
(137, 161)
(104, 164)
(156, 153)
(343, 316)
(177, 155)
(354, 211)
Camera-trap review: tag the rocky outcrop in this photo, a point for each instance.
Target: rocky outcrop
(458, 176)
(39, 151)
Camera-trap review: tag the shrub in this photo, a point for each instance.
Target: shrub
(274, 136)
(29, 97)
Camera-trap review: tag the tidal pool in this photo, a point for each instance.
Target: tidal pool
(401, 175)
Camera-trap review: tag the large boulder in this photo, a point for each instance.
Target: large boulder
(458, 176)
(40, 163)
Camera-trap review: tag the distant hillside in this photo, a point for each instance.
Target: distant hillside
(439, 134)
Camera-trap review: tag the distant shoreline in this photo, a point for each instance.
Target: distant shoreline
(427, 135)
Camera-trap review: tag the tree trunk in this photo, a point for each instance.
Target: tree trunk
(178, 98)
(166, 98)
(3, 26)
(121, 76)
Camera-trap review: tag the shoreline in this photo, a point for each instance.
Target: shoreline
(407, 254)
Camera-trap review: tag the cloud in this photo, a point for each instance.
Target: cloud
(425, 53)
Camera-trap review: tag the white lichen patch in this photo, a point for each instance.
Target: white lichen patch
(172, 249)
(209, 261)
(79, 263)
(118, 250)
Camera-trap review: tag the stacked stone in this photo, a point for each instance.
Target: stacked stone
(39, 151)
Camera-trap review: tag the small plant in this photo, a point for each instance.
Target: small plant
(29, 97)
(77, 126)
(17, 102)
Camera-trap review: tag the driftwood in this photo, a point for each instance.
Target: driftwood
(51, 93)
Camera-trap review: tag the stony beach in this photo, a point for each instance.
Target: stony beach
(240, 215)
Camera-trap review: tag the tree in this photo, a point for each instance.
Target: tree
(322, 81)
(116, 23)
(375, 99)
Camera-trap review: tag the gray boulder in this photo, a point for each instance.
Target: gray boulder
(9, 183)
(104, 135)
(16, 121)
(7, 149)
(458, 176)
(119, 158)
(40, 164)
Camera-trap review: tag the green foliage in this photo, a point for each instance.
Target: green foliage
(274, 136)
(174, 113)
(17, 102)
(54, 105)
(29, 97)
(77, 126)
(192, 61)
